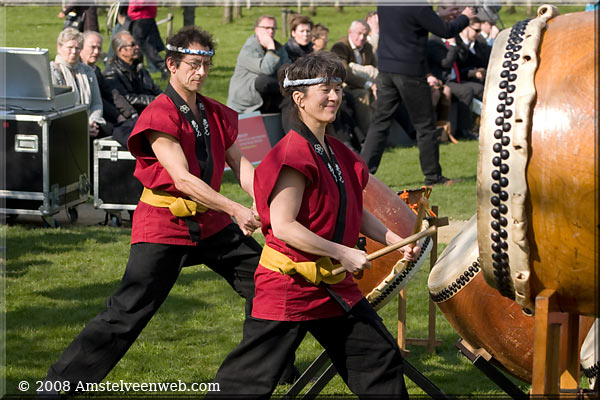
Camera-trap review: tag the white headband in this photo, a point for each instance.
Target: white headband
(190, 51)
(307, 82)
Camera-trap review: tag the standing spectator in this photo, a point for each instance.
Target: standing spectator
(254, 85)
(126, 73)
(67, 69)
(82, 18)
(402, 59)
(91, 51)
(142, 14)
(319, 37)
(299, 43)
(354, 48)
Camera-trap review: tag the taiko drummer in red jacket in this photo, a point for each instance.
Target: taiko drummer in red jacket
(308, 193)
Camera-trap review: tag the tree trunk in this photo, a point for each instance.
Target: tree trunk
(511, 10)
(338, 7)
(188, 15)
(237, 12)
(227, 8)
(312, 9)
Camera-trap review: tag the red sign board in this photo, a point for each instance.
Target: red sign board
(252, 137)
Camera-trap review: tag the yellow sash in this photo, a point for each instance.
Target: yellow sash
(312, 271)
(179, 206)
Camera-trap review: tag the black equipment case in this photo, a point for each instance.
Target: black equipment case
(115, 187)
(46, 156)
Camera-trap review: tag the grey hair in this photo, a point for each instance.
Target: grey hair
(87, 34)
(68, 34)
(361, 22)
(118, 41)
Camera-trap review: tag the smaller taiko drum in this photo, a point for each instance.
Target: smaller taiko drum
(388, 275)
(478, 312)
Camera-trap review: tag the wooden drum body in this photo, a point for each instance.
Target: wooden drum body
(536, 168)
(387, 277)
(476, 311)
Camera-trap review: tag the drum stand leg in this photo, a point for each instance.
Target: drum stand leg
(323, 360)
(482, 360)
(555, 347)
(431, 342)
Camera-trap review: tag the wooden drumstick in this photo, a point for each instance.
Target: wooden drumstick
(386, 250)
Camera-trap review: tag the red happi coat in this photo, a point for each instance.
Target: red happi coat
(157, 225)
(290, 297)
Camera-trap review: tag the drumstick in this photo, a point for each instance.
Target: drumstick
(381, 252)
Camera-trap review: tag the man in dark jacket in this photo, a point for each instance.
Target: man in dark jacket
(125, 73)
(354, 48)
(402, 59)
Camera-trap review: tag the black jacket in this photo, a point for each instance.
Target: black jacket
(403, 34)
(295, 51)
(440, 58)
(134, 83)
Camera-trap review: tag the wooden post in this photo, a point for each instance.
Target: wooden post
(431, 342)
(402, 321)
(169, 24)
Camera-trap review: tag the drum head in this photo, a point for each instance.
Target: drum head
(457, 264)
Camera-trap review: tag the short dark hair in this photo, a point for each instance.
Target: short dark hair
(323, 64)
(474, 20)
(299, 19)
(184, 38)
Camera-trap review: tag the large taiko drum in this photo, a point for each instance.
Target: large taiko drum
(535, 182)
(478, 312)
(387, 277)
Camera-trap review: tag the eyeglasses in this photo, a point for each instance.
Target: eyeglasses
(476, 30)
(271, 28)
(197, 66)
(133, 44)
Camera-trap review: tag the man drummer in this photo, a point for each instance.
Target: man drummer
(181, 141)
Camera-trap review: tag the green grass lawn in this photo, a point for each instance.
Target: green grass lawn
(55, 281)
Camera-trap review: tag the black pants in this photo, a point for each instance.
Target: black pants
(362, 350)
(268, 87)
(465, 92)
(415, 93)
(150, 274)
(146, 34)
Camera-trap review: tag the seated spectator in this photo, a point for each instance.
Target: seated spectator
(319, 37)
(299, 43)
(373, 38)
(443, 58)
(354, 48)
(126, 73)
(91, 51)
(142, 14)
(67, 69)
(476, 49)
(489, 30)
(254, 84)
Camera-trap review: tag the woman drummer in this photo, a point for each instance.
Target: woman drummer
(308, 192)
